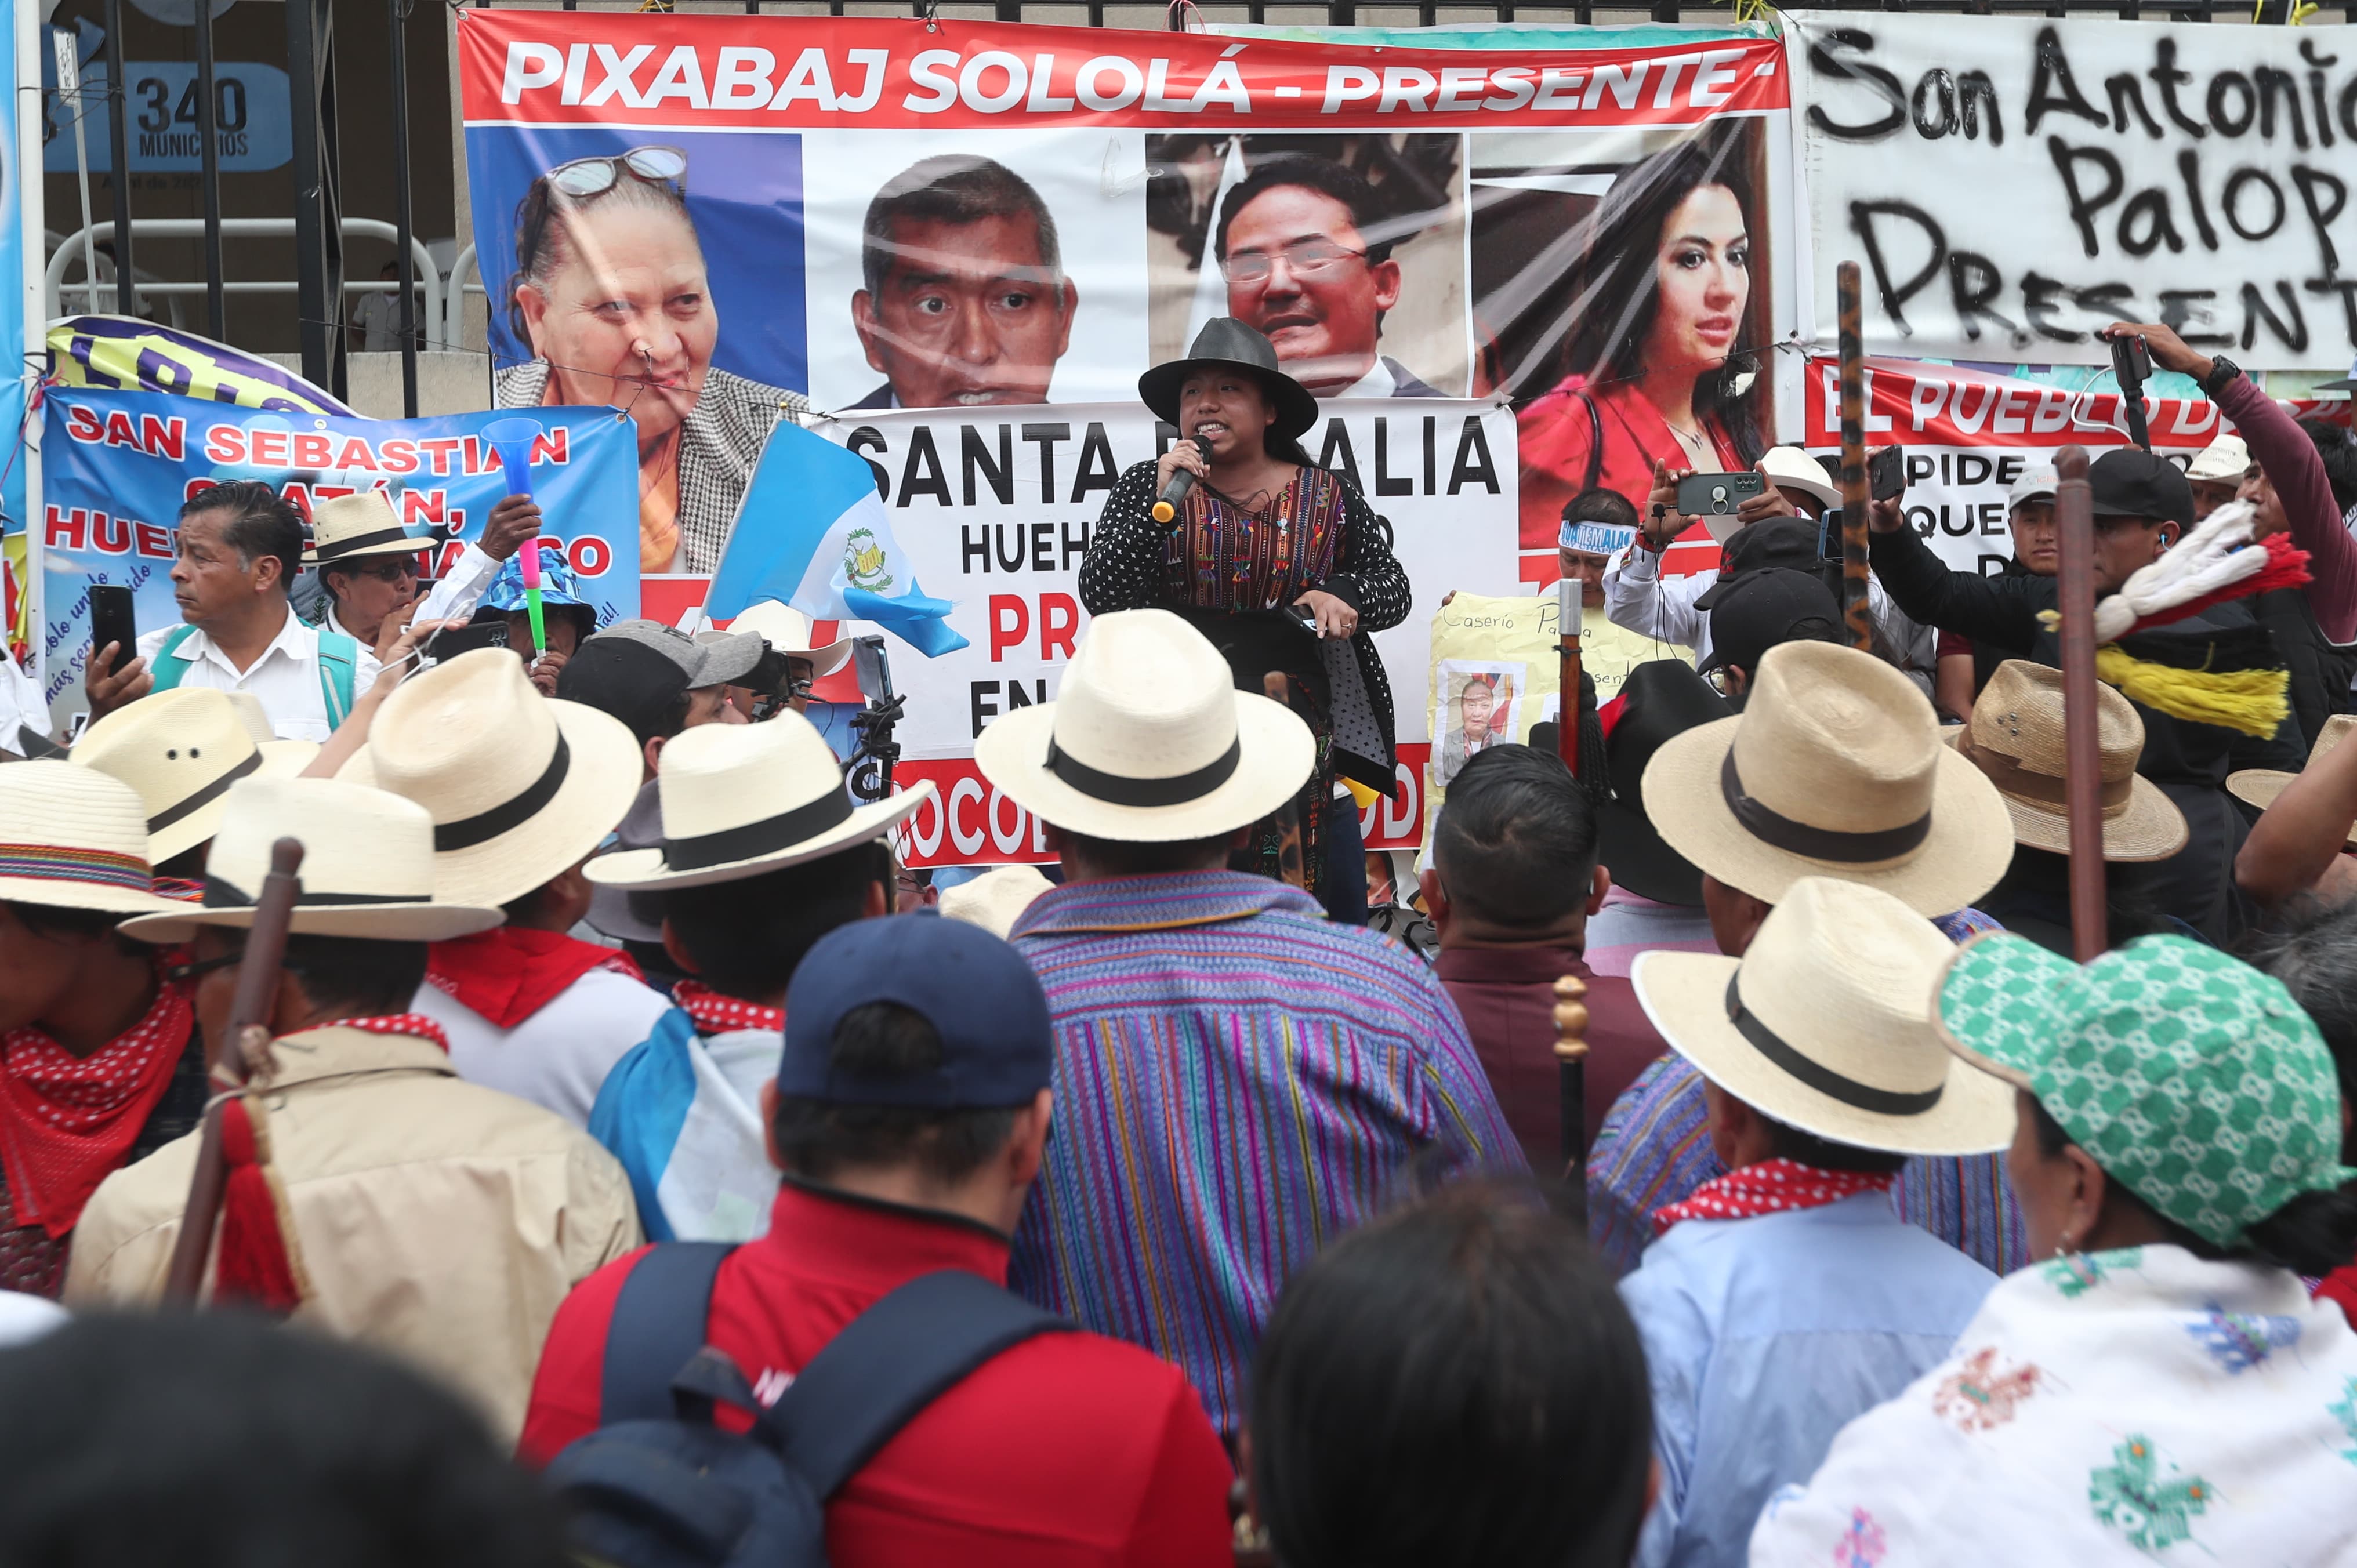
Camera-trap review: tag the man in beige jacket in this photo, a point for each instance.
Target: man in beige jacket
(432, 1218)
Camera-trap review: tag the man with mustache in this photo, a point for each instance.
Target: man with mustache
(238, 547)
(967, 304)
(1297, 240)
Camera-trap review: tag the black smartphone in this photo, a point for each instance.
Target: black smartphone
(1886, 473)
(1717, 494)
(2131, 360)
(872, 668)
(113, 619)
(452, 641)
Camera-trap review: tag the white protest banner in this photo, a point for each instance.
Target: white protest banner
(875, 213)
(2010, 184)
(995, 513)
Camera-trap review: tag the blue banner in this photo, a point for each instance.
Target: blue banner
(118, 465)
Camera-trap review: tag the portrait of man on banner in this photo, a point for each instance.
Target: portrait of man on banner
(1344, 252)
(963, 301)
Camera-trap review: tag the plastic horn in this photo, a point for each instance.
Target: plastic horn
(512, 439)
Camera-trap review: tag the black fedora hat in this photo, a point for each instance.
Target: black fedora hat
(1659, 700)
(1224, 340)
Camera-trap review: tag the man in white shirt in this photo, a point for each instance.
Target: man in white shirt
(239, 547)
(20, 704)
(367, 562)
(1638, 598)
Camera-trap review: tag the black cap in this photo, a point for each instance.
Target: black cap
(1762, 609)
(2129, 481)
(629, 681)
(1773, 544)
(1658, 699)
(980, 995)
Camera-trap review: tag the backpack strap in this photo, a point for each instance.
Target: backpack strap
(891, 1362)
(339, 672)
(167, 667)
(657, 1328)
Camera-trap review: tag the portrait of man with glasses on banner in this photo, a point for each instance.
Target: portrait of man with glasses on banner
(1344, 252)
(612, 300)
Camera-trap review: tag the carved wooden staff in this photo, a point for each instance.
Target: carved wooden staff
(228, 1063)
(1568, 610)
(1855, 572)
(2082, 754)
(1571, 1070)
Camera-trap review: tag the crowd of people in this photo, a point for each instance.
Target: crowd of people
(1748, 1174)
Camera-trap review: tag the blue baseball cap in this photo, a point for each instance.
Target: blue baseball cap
(980, 995)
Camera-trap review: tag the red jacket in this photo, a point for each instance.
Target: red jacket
(1556, 436)
(1507, 998)
(1069, 1449)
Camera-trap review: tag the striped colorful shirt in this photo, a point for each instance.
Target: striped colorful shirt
(1653, 1150)
(1238, 1082)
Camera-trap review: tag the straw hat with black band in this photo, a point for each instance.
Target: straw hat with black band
(520, 787)
(2014, 739)
(363, 524)
(788, 631)
(182, 749)
(1826, 1024)
(367, 866)
(74, 838)
(740, 800)
(1836, 768)
(2260, 786)
(1225, 343)
(1149, 741)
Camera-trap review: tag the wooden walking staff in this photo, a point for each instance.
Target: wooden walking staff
(1855, 572)
(2083, 783)
(228, 1063)
(1567, 615)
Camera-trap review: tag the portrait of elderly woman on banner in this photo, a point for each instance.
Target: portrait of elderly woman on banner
(1664, 315)
(611, 298)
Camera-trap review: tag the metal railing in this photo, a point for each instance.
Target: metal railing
(431, 317)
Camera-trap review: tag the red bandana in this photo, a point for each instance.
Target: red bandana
(66, 1121)
(417, 1024)
(507, 973)
(1771, 1187)
(718, 1015)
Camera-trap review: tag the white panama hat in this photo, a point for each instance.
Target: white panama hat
(367, 866)
(360, 524)
(520, 787)
(1836, 768)
(2224, 461)
(788, 631)
(1827, 1023)
(1149, 741)
(740, 801)
(76, 839)
(182, 749)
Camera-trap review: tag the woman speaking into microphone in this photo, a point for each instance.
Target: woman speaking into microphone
(1279, 561)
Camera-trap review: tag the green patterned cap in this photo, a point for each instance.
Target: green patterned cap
(2190, 1077)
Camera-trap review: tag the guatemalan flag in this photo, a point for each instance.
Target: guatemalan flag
(814, 533)
(681, 1113)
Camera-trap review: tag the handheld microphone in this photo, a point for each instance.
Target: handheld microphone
(1174, 495)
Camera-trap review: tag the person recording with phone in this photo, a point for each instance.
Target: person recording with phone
(1779, 527)
(1281, 563)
